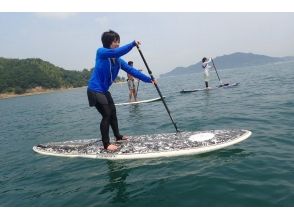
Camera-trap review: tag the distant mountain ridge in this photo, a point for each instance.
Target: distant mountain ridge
(233, 60)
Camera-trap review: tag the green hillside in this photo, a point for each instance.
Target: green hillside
(20, 75)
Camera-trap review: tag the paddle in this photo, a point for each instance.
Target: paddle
(138, 86)
(221, 84)
(137, 89)
(157, 88)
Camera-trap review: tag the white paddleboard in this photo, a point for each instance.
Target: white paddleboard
(148, 146)
(138, 102)
(211, 88)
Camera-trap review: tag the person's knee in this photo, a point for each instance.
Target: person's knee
(107, 115)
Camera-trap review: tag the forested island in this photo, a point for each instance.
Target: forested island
(33, 75)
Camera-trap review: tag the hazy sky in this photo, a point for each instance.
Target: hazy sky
(169, 40)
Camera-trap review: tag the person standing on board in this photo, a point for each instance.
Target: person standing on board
(206, 68)
(108, 63)
(131, 85)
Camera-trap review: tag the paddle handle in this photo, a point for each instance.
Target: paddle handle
(157, 88)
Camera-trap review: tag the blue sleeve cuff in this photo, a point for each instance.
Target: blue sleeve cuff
(134, 43)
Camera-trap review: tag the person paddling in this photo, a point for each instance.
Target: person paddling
(206, 67)
(131, 85)
(108, 63)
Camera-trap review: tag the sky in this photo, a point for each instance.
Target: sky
(168, 39)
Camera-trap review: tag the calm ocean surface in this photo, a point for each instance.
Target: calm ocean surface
(255, 172)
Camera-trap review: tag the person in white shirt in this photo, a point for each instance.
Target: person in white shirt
(206, 67)
(131, 85)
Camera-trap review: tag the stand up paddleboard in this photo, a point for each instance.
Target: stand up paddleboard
(138, 102)
(148, 146)
(211, 88)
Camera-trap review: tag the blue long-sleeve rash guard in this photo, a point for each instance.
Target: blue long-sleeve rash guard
(106, 71)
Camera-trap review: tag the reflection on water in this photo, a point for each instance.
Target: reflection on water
(134, 109)
(117, 182)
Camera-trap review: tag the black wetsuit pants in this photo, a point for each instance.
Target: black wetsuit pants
(206, 84)
(105, 106)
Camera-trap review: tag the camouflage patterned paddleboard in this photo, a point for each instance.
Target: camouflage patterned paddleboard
(148, 146)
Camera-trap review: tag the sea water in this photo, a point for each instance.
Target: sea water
(256, 172)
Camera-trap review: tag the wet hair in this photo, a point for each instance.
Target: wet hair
(108, 37)
(204, 59)
(130, 63)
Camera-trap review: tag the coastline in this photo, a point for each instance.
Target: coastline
(39, 90)
(34, 91)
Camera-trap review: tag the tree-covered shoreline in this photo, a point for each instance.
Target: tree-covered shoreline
(33, 75)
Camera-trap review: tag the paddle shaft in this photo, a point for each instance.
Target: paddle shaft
(157, 88)
(216, 72)
(138, 87)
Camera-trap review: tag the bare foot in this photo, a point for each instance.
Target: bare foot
(123, 138)
(112, 147)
